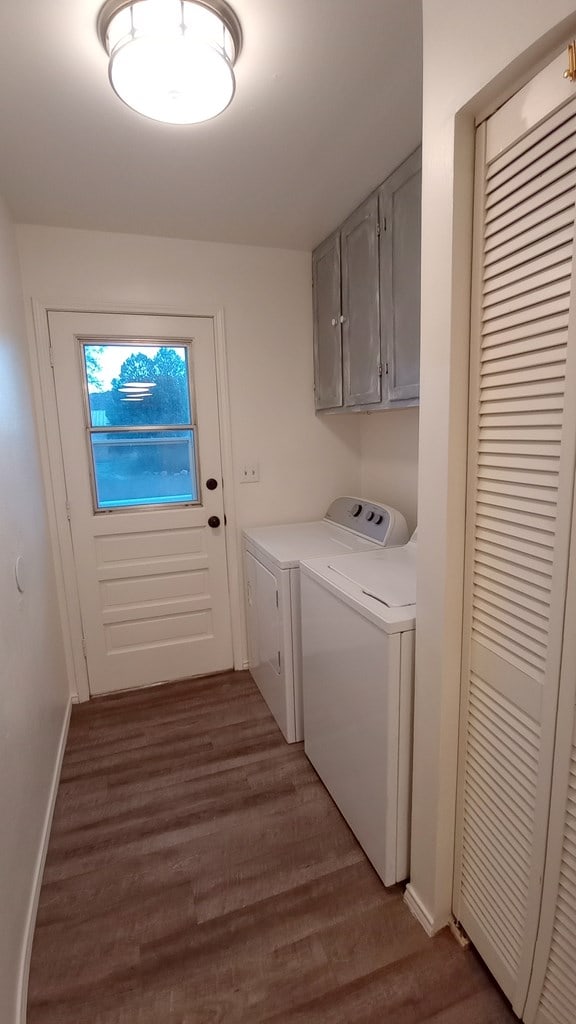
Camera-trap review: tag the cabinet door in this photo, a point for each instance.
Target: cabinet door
(360, 306)
(327, 328)
(400, 204)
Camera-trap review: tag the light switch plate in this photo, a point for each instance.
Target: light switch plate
(250, 473)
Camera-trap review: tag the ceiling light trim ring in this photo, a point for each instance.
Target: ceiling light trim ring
(219, 7)
(167, 63)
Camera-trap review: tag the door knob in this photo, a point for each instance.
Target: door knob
(211, 484)
(214, 522)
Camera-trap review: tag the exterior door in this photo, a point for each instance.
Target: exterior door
(139, 429)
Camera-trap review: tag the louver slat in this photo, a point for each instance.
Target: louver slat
(549, 245)
(555, 325)
(557, 181)
(528, 148)
(542, 236)
(517, 275)
(529, 298)
(529, 281)
(534, 182)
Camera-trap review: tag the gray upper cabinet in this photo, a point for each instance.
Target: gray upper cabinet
(400, 279)
(327, 324)
(366, 279)
(361, 306)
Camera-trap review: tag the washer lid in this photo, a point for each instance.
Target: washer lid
(287, 545)
(389, 576)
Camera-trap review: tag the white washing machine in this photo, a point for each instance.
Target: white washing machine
(358, 624)
(271, 561)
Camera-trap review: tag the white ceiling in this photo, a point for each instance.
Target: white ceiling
(328, 102)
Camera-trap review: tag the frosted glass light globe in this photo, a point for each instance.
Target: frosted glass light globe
(171, 60)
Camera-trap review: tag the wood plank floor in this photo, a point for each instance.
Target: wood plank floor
(198, 872)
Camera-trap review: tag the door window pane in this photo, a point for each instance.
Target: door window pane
(138, 395)
(155, 468)
(137, 385)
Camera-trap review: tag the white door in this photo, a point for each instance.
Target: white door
(520, 480)
(139, 430)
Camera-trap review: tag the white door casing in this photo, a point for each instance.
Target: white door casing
(520, 479)
(152, 583)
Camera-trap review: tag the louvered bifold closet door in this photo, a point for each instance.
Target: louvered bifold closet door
(552, 994)
(557, 995)
(519, 481)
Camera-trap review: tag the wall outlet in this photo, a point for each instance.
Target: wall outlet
(250, 473)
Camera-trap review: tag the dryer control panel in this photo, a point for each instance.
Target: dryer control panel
(370, 519)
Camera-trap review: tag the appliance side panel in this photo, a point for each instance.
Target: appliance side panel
(296, 653)
(405, 752)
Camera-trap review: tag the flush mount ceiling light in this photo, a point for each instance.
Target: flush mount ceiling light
(171, 60)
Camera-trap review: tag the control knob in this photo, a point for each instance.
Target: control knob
(370, 516)
(356, 510)
(378, 519)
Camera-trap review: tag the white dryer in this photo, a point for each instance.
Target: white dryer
(358, 623)
(271, 562)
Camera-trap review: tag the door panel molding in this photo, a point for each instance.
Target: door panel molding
(53, 471)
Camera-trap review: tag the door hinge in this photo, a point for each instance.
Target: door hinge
(51, 355)
(277, 599)
(378, 229)
(459, 933)
(279, 661)
(68, 512)
(84, 646)
(379, 369)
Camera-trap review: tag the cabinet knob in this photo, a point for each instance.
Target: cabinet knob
(334, 321)
(342, 319)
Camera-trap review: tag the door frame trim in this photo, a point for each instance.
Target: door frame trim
(46, 410)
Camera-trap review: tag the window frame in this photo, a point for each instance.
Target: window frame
(192, 426)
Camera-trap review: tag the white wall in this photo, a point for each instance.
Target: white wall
(33, 689)
(389, 459)
(466, 46)
(304, 459)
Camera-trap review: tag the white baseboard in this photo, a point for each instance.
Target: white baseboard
(420, 911)
(38, 873)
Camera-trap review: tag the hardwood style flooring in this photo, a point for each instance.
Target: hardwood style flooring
(198, 873)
